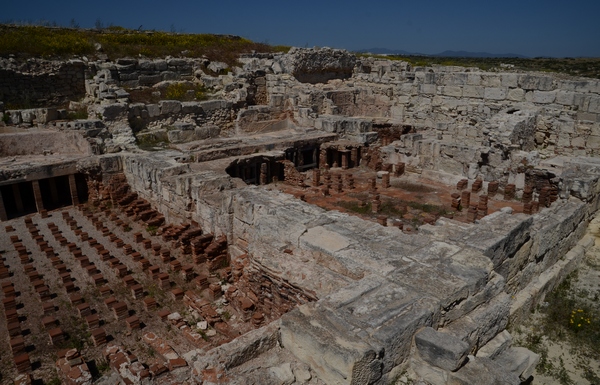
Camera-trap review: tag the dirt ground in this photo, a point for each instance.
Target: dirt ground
(410, 199)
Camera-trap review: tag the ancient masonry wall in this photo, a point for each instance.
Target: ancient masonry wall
(54, 82)
(453, 101)
(485, 273)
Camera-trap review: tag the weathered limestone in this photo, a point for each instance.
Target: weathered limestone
(356, 301)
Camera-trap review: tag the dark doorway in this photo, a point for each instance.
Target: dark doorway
(56, 192)
(18, 199)
(82, 188)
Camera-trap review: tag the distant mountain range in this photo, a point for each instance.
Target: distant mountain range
(386, 51)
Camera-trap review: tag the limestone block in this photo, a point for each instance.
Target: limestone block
(576, 85)
(153, 110)
(179, 136)
(283, 373)
(14, 116)
(454, 91)
(582, 101)
(553, 231)
(441, 349)
(113, 111)
(408, 88)
(515, 265)
(495, 93)
(529, 82)
(594, 106)
(473, 92)
(482, 371)
(169, 107)
(566, 98)
(500, 237)
(456, 79)
(544, 97)
(473, 79)
(149, 80)
(212, 105)
(336, 357)
(510, 80)
(176, 62)
(397, 112)
(169, 75)
(160, 65)
(45, 115)
(482, 324)
(546, 83)
(586, 116)
(430, 78)
(146, 65)
(491, 80)
(428, 89)
(191, 108)
(518, 361)
(28, 116)
(578, 141)
(496, 346)
(426, 372)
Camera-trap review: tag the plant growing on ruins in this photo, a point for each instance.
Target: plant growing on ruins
(151, 230)
(54, 381)
(226, 315)
(185, 92)
(5, 118)
(80, 113)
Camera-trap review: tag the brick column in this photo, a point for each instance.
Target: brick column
(18, 200)
(37, 194)
(345, 159)
(263, 174)
(73, 189)
(3, 216)
(323, 157)
(354, 157)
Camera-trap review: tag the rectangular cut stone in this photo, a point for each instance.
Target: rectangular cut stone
(473, 92)
(428, 89)
(516, 94)
(544, 97)
(495, 93)
(456, 79)
(529, 82)
(586, 116)
(473, 79)
(594, 106)
(441, 349)
(510, 80)
(451, 91)
(565, 98)
(491, 80)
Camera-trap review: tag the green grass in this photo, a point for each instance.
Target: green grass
(78, 114)
(185, 92)
(116, 42)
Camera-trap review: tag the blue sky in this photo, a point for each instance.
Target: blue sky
(526, 27)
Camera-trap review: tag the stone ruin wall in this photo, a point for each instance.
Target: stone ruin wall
(530, 255)
(513, 260)
(41, 82)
